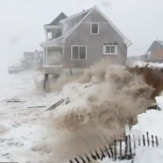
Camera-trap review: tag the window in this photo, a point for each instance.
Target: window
(94, 28)
(109, 48)
(78, 52)
(49, 35)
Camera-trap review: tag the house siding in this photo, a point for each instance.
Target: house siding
(81, 36)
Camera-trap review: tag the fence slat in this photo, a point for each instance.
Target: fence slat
(130, 146)
(148, 142)
(152, 137)
(112, 155)
(103, 155)
(156, 141)
(88, 159)
(120, 148)
(115, 148)
(93, 156)
(98, 156)
(82, 159)
(134, 142)
(107, 151)
(126, 145)
(139, 141)
(143, 140)
(76, 160)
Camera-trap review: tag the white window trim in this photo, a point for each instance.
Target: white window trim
(91, 28)
(79, 46)
(104, 50)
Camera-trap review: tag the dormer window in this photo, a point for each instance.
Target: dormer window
(94, 28)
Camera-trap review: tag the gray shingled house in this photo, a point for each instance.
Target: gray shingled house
(80, 40)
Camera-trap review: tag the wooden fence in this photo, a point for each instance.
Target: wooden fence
(120, 149)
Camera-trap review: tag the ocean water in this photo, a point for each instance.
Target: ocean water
(14, 85)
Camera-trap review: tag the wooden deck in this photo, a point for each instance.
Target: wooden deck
(55, 69)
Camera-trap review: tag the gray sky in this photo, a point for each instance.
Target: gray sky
(21, 22)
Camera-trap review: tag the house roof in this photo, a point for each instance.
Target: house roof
(153, 45)
(72, 22)
(57, 20)
(161, 43)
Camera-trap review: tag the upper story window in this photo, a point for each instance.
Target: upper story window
(109, 48)
(94, 28)
(78, 52)
(49, 35)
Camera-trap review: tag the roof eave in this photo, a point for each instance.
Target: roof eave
(127, 42)
(47, 26)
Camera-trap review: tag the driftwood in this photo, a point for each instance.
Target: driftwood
(56, 104)
(15, 101)
(41, 106)
(87, 86)
(90, 85)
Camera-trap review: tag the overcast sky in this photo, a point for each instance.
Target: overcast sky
(21, 22)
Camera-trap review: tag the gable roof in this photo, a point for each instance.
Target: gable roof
(74, 21)
(57, 20)
(154, 44)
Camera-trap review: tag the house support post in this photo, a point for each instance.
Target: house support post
(45, 83)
